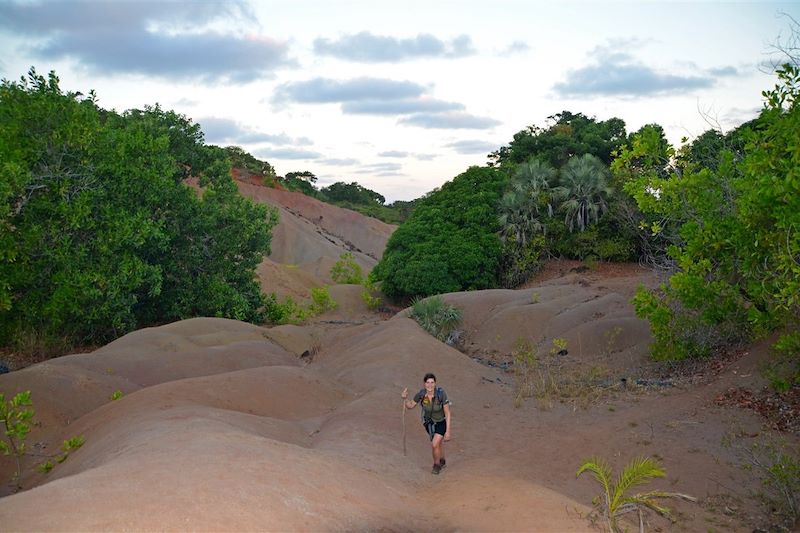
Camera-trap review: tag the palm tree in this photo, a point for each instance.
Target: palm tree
(535, 178)
(519, 208)
(518, 214)
(616, 501)
(583, 191)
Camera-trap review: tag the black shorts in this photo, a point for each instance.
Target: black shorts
(435, 427)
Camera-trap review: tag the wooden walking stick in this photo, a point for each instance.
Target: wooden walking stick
(404, 426)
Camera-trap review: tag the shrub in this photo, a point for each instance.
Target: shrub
(519, 263)
(286, 312)
(291, 312)
(783, 371)
(737, 244)
(776, 464)
(450, 241)
(346, 270)
(321, 301)
(681, 331)
(372, 302)
(435, 316)
(16, 419)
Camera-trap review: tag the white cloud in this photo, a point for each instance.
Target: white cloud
(366, 47)
(449, 121)
(616, 72)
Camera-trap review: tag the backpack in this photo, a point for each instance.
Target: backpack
(438, 396)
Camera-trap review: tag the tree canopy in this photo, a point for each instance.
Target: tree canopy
(99, 234)
(450, 242)
(351, 193)
(735, 208)
(568, 135)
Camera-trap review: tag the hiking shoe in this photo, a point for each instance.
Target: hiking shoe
(436, 469)
(442, 463)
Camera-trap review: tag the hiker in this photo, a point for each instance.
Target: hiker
(435, 417)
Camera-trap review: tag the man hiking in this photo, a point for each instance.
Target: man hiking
(435, 416)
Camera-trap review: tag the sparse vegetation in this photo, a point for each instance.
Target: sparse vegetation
(321, 301)
(616, 500)
(549, 379)
(16, 415)
(346, 270)
(611, 337)
(367, 295)
(777, 465)
(559, 346)
(289, 311)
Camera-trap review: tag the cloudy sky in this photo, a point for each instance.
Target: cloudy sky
(402, 96)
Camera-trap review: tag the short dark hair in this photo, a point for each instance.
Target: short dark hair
(428, 376)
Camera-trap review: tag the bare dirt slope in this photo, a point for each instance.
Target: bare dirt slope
(311, 235)
(309, 238)
(228, 426)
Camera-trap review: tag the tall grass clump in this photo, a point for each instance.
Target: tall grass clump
(435, 316)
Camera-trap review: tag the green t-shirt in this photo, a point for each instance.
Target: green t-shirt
(432, 409)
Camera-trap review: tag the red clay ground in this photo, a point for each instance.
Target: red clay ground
(228, 426)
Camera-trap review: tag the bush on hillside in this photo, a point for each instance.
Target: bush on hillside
(346, 270)
(98, 234)
(449, 243)
(739, 241)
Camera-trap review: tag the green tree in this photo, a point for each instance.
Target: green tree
(301, 181)
(352, 193)
(185, 138)
(100, 236)
(450, 242)
(519, 217)
(239, 158)
(522, 213)
(568, 135)
(739, 245)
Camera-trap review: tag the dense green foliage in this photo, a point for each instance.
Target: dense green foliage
(450, 242)
(569, 134)
(300, 181)
(733, 225)
(246, 161)
(548, 212)
(351, 192)
(365, 201)
(99, 235)
(394, 213)
(556, 199)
